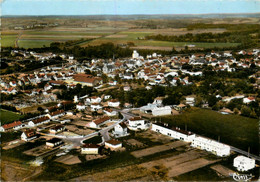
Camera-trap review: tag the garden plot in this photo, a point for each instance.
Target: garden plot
(134, 142)
(222, 170)
(68, 159)
(158, 148)
(40, 150)
(182, 163)
(155, 137)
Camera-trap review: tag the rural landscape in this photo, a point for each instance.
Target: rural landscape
(158, 97)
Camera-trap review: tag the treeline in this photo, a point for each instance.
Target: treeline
(225, 37)
(9, 108)
(232, 27)
(29, 65)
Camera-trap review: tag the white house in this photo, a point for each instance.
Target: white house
(80, 107)
(89, 149)
(113, 144)
(158, 101)
(98, 122)
(160, 111)
(113, 103)
(120, 130)
(248, 100)
(173, 132)
(28, 135)
(95, 106)
(190, 101)
(39, 121)
(93, 99)
(57, 129)
(110, 112)
(54, 142)
(14, 125)
(136, 123)
(209, 145)
(243, 163)
(56, 114)
(135, 54)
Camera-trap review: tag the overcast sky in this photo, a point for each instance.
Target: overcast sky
(126, 7)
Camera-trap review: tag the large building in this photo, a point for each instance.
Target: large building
(173, 132)
(87, 80)
(243, 163)
(209, 145)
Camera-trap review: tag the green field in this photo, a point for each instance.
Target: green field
(238, 131)
(8, 116)
(8, 40)
(34, 43)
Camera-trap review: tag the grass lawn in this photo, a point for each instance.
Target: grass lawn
(238, 131)
(8, 40)
(8, 116)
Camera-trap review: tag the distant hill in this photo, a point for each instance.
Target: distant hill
(139, 17)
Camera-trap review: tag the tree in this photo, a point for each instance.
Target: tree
(40, 109)
(212, 100)
(245, 111)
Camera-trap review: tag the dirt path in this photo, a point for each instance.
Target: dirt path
(17, 39)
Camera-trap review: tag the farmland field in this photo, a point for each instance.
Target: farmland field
(8, 116)
(8, 40)
(99, 35)
(232, 129)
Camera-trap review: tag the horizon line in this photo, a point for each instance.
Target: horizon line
(191, 14)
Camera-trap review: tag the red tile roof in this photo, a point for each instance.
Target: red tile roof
(39, 120)
(113, 142)
(101, 120)
(135, 118)
(11, 125)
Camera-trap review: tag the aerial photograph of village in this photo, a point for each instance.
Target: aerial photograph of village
(130, 90)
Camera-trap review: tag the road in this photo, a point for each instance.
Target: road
(245, 153)
(78, 141)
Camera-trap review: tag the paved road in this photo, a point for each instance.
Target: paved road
(78, 141)
(245, 153)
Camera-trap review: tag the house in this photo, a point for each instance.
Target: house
(98, 122)
(148, 108)
(28, 135)
(173, 132)
(127, 88)
(80, 107)
(54, 142)
(113, 103)
(90, 149)
(243, 163)
(113, 144)
(13, 84)
(248, 100)
(95, 106)
(14, 125)
(56, 114)
(11, 90)
(158, 101)
(57, 129)
(110, 112)
(180, 107)
(120, 130)
(161, 111)
(93, 99)
(212, 146)
(136, 123)
(190, 101)
(88, 80)
(39, 121)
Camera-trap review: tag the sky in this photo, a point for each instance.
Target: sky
(126, 7)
